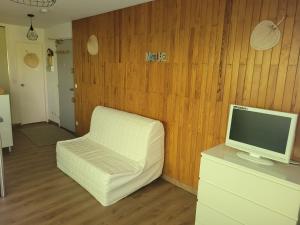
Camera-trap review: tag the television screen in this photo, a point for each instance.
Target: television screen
(262, 130)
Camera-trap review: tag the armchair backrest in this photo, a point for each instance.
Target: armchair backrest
(135, 137)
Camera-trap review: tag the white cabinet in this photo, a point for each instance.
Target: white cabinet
(234, 191)
(5, 126)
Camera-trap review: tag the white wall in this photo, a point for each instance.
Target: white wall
(61, 31)
(52, 86)
(14, 35)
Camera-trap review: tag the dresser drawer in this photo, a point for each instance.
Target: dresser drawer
(260, 190)
(243, 210)
(208, 216)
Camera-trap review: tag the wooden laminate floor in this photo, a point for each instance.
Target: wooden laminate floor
(38, 193)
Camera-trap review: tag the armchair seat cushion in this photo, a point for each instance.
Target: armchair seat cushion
(101, 159)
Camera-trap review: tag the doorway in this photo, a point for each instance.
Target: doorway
(32, 82)
(66, 84)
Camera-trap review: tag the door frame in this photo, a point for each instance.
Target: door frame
(59, 84)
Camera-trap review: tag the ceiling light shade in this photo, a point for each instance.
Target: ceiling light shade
(36, 3)
(31, 34)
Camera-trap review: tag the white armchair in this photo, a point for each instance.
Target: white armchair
(122, 153)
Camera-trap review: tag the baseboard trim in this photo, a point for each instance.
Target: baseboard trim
(180, 185)
(56, 124)
(16, 125)
(52, 122)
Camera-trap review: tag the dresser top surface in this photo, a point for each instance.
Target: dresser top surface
(283, 173)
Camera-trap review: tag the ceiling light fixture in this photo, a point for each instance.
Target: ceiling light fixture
(31, 34)
(36, 3)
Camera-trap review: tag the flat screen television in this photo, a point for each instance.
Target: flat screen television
(262, 134)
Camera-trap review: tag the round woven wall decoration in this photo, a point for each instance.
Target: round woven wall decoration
(31, 60)
(265, 35)
(92, 45)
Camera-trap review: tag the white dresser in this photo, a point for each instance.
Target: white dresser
(5, 126)
(233, 191)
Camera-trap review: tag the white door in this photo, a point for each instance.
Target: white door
(66, 84)
(30, 66)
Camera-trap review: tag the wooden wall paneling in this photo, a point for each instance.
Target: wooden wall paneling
(194, 156)
(194, 81)
(263, 80)
(157, 11)
(76, 61)
(227, 58)
(86, 68)
(215, 114)
(223, 50)
(210, 65)
(266, 61)
(271, 85)
(237, 49)
(282, 6)
(184, 149)
(100, 82)
(266, 4)
(225, 102)
(256, 77)
(245, 55)
(78, 69)
(197, 155)
(206, 34)
(289, 88)
(185, 14)
(284, 56)
(190, 153)
(259, 78)
(295, 107)
(203, 72)
(294, 54)
(296, 153)
(171, 167)
(201, 29)
(210, 55)
(292, 62)
(169, 19)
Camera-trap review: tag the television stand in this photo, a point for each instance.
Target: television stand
(233, 191)
(255, 158)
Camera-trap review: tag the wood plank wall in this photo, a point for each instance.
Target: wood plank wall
(210, 65)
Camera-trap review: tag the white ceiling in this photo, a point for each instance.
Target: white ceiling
(63, 11)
